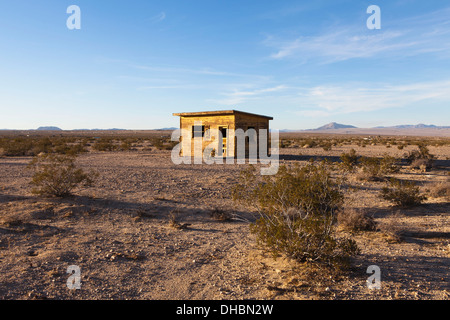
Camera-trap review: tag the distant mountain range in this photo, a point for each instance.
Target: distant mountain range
(112, 129)
(167, 129)
(416, 126)
(332, 127)
(51, 128)
(336, 126)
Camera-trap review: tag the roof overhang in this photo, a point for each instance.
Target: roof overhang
(217, 113)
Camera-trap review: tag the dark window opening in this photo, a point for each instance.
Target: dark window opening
(224, 132)
(198, 131)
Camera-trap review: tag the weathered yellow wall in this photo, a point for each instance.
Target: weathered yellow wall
(214, 122)
(233, 122)
(244, 121)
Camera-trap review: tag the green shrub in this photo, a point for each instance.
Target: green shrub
(57, 175)
(284, 143)
(376, 168)
(402, 193)
(420, 158)
(163, 143)
(70, 150)
(326, 146)
(17, 147)
(32, 146)
(349, 160)
(105, 144)
(296, 213)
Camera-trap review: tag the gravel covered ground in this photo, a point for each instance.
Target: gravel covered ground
(118, 233)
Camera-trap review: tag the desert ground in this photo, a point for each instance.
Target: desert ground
(146, 229)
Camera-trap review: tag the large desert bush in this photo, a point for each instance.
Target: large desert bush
(57, 175)
(297, 210)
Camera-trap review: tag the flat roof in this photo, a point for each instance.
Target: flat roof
(216, 113)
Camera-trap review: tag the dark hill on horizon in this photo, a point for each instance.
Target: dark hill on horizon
(334, 125)
(49, 128)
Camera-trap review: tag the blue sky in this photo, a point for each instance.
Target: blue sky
(305, 63)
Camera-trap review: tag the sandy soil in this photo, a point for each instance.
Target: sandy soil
(118, 233)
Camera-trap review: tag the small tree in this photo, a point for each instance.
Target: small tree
(297, 213)
(57, 175)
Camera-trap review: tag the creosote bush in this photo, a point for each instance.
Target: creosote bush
(32, 146)
(421, 158)
(57, 175)
(402, 193)
(105, 144)
(373, 169)
(297, 210)
(163, 143)
(349, 160)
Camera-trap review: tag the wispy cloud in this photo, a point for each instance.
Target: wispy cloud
(195, 71)
(342, 45)
(429, 33)
(161, 87)
(158, 18)
(344, 99)
(239, 96)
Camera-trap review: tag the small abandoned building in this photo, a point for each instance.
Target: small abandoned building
(206, 125)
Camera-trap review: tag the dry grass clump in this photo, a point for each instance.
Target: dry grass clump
(11, 221)
(174, 222)
(391, 227)
(353, 219)
(221, 214)
(440, 189)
